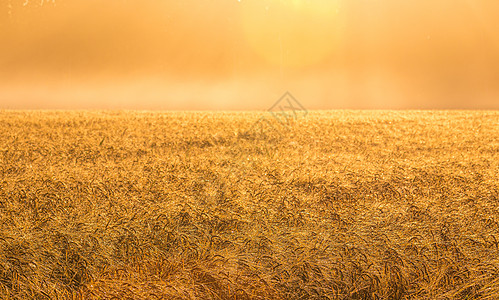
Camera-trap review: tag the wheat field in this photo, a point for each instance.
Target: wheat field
(199, 205)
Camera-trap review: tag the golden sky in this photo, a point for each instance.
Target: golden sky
(235, 55)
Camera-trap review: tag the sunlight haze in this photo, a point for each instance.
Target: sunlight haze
(243, 55)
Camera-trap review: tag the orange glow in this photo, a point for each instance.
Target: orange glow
(292, 32)
(230, 54)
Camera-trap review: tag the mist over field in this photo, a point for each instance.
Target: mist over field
(249, 149)
(233, 55)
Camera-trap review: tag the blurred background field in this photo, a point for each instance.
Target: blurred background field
(239, 55)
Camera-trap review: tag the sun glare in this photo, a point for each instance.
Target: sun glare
(293, 33)
(236, 54)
